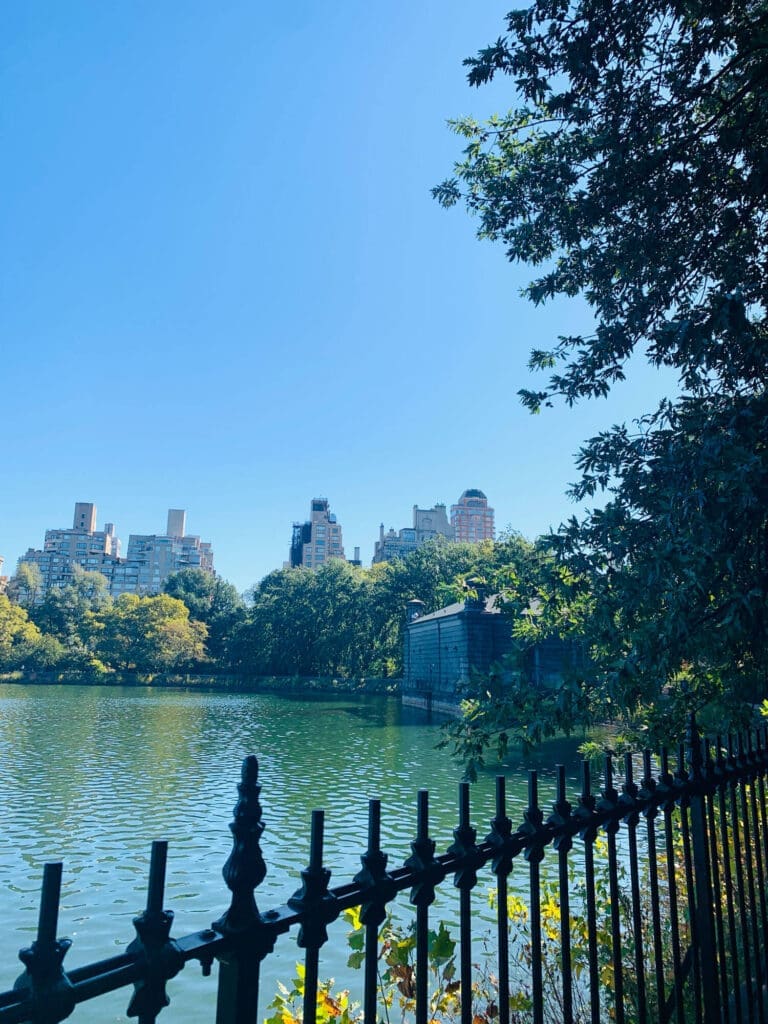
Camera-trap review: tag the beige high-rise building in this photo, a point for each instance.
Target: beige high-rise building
(428, 524)
(150, 561)
(156, 556)
(316, 541)
(85, 546)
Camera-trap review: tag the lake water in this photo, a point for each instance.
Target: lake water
(91, 775)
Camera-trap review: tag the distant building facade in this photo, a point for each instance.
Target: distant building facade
(94, 550)
(318, 539)
(84, 546)
(472, 520)
(428, 523)
(156, 556)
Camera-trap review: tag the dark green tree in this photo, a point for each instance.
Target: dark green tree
(278, 636)
(71, 614)
(212, 601)
(633, 172)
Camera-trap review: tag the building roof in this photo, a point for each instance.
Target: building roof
(456, 609)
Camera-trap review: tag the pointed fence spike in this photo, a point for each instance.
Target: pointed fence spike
(463, 805)
(50, 897)
(156, 885)
(422, 814)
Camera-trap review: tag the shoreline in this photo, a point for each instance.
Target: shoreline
(209, 682)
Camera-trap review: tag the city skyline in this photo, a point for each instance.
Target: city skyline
(225, 287)
(105, 545)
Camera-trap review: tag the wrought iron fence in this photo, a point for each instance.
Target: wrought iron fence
(665, 918)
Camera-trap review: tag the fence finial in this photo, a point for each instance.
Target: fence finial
(245, 868)
(464, 844)
(422, 859)
(537, 835)
(373, 873)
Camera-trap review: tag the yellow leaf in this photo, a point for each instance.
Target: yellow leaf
(352, 916)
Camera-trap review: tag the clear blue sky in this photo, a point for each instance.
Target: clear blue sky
(224, 285)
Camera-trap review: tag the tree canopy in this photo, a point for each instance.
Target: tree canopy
(633, 172)
(212, 601)
(150, 634)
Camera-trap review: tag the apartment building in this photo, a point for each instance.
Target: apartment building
(149, 562)
(318, 539)
(82, 545)
(472, 519)
(156, 556)
(428, 523)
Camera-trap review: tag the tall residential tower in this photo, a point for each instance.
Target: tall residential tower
(471, 517)
(318, 539)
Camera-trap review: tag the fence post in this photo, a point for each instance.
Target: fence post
(319, 907)
(562, 821)
(250, 939)
(465, 879)
(500, 840)
(705, 929)
(536, 839)
(373, 912)
(153, 941)
(50, 991)
(428, 874)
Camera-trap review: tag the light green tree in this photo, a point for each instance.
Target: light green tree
(71, 614)
(21, 642)
(150, 634)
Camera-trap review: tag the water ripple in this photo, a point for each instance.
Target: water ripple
(92, 775)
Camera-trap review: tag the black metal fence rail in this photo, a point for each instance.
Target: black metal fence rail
(667, 919)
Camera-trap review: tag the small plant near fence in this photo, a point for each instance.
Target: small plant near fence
(397, 960)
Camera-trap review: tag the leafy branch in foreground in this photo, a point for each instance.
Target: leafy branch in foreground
(632, 172)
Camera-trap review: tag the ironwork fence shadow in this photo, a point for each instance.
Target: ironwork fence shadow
(680, 855)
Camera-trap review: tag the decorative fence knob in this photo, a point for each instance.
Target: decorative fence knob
(245, 868)
(50, 991)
